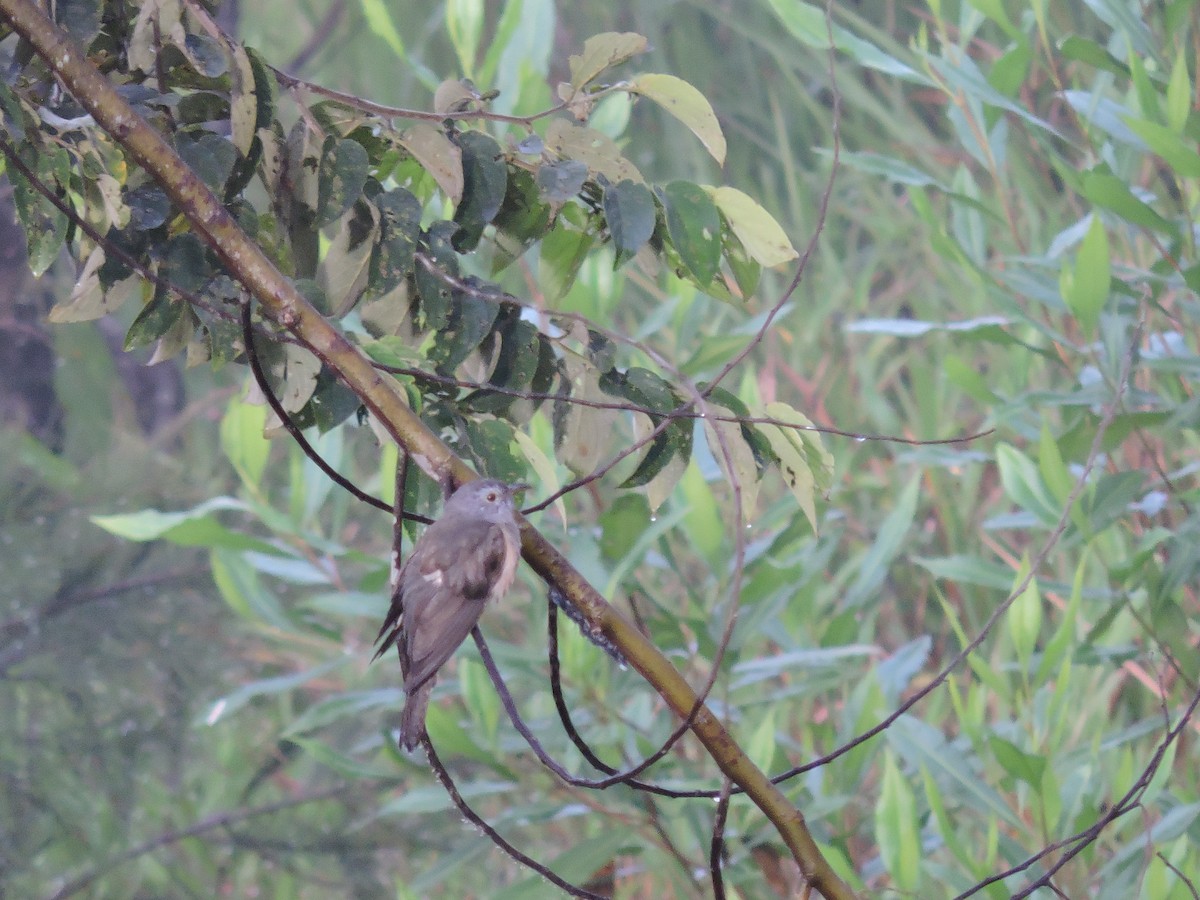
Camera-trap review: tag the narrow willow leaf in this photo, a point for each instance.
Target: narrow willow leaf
(1086, 289)
(464, 23)
(1024, 618)
(897, 828)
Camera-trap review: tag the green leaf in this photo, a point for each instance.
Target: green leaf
(894, 170)
(464, 23)
(563, 251)
(760, 747)
(485, 181)
(694, 226)
(809, 25)
(523, 217)
(210, 156)
(686, 104)
(343, 271)
(1112, 193)
(1026, 767)
(804, 463)
(470, 321)
(543, 467)
(399, 231)
(379, 20)
(1024, 486)
(897, 829)
(435, 291)
(560, 181)
(1085, 287)
(630, 214)
(763, 238)
(341, 177)
(267, 687)
(195, 527)
(438, 155)
(1168, 144)
(156, 318)
(1024, 617)
(873, 567)
(1179, 94)
(44, 225)
(89, 300)
(515, 365)
(603, 51)
(242, 440)
(741, 468)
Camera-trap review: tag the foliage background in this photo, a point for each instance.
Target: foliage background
(1014, 211)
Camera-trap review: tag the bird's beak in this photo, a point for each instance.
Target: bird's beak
(517, 488)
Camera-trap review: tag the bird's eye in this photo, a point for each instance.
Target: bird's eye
(491, 497)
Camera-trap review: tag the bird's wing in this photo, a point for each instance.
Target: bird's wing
(444, 590)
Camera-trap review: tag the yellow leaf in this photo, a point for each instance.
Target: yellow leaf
(603, 51)
(438, 155)
(756, 228)
(687, 105)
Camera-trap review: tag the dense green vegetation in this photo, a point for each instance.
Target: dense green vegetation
(997, 323)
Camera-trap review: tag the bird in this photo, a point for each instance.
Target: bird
(466, 559)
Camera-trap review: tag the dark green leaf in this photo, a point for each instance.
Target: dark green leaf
(342, 175)
(186, 263)
(400, 229)
(470, 322)
(202, 106)
(563, 252)
(148, 207)
(80, 18)
(1113, 193)
(1026, 767)
(490, 443)
(485, 180)
(622, 524)
(522, 219)
(45, 226)
(746, 271)
(435, 291)
(210, 156)
(205, 55)
(561, 181)
(155, 320)
(694, 226)
(630, 213)
(516, 363)
(331, 404)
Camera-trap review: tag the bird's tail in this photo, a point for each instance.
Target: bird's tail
(412, 720)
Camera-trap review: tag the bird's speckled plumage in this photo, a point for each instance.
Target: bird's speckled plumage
(463, 560)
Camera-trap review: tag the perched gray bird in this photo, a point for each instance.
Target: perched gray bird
(463, 560)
